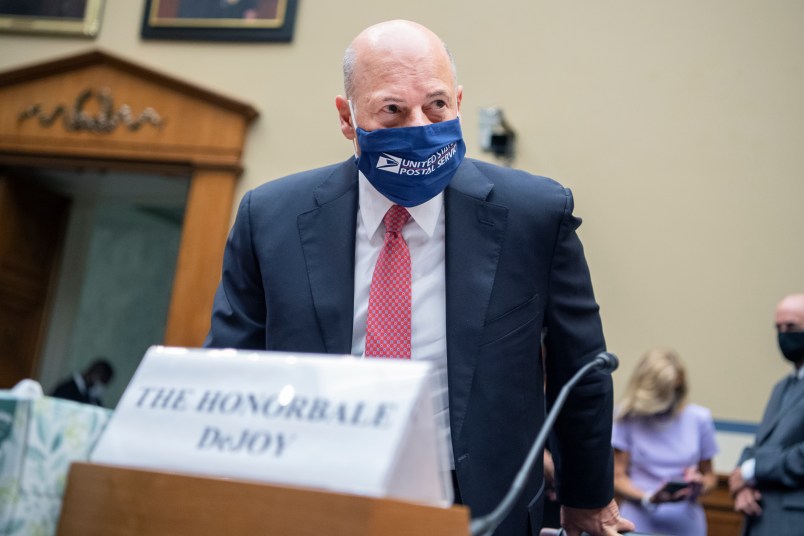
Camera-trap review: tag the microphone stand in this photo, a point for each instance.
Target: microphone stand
(486, 525)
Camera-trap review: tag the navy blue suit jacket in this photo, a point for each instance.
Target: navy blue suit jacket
(514, 268)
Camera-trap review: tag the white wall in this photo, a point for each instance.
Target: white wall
(677, 124)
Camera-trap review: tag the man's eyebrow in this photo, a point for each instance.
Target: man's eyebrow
(431, 95)
(439, 93)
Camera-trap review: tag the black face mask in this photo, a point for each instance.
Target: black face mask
(791, 344)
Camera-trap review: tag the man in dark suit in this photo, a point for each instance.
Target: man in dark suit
(88, 386)
(490, 261)
(768, 484)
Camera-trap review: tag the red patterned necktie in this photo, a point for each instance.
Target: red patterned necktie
(388, 322)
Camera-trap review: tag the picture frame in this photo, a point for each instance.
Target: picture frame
(220, 20)
(71, 17)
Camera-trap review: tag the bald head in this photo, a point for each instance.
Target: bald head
(790, 313)
(372, 49)
(397, 74)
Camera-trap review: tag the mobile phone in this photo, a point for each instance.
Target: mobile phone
(560, 532)
(675, 486)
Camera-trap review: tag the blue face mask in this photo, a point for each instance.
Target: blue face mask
(411, 165)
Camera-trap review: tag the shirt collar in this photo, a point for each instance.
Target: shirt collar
(374, 205)
(80, 383)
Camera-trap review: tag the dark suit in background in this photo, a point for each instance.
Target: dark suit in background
(779, 471)
(88, 386)
(69, 390)
(768, 483)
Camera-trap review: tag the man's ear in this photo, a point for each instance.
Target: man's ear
(345, 117)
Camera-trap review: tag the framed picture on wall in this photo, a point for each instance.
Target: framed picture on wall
(219, 20)
(77, 17)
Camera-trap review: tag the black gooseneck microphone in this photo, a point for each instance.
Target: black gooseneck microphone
(485, 526)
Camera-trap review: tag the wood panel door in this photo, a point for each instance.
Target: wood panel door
(101, 99)
(32, 226)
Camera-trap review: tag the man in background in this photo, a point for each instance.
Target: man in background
(768, 484)
(88, 386)
(408, 250)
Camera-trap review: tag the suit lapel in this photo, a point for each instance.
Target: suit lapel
(474, 237)
(797, 394)
(327, 235)
(775, 411)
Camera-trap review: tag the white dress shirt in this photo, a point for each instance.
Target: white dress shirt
(424, 234)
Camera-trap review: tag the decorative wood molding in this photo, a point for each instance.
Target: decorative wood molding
(101, 57)
(106, 120)
(195, 126)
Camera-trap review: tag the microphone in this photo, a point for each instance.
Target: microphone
(485, 526)
(608, 362)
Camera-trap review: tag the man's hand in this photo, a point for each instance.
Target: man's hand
(736, 482)
(747, 501)
(604, 521)
(549, 476)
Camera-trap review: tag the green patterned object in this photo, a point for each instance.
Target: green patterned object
(38, 440)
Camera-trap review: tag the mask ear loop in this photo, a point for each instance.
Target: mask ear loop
(354, 125)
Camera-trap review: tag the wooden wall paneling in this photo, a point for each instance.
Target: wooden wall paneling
(200, 256)
(721, 518)
(32, 224)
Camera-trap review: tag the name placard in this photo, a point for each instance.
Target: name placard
(363, 426)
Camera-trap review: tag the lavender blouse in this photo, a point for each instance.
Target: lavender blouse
(660, 449)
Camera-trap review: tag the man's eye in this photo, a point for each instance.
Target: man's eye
(440, 104)
(392, 108)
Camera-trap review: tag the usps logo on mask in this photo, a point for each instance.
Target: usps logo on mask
(403, 166)
(389, 163)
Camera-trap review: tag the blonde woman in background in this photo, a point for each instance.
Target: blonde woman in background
(663, 449)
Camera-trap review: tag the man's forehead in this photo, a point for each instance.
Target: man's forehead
(427, 74)
(377, 63)
(790, 310)
(411, 57)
